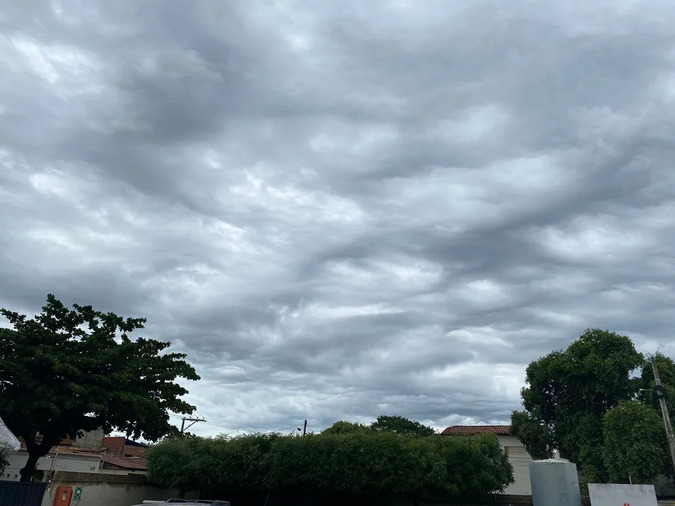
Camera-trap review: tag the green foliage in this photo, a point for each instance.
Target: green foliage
(567, 394)
(178, 461)
(401, 425)
(353, 464)
(341, 427)
(359, 462)
(242, 463)
(634, 446)
(537, 437)
(67, 371)
(475, 465)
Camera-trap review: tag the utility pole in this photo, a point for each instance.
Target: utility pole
(188, 419)
(660, 392)
(304, 428)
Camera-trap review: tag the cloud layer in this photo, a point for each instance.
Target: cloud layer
(341, 210)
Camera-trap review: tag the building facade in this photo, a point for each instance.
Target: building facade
(91, 453)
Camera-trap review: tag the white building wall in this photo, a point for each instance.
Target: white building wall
(62, 462)
(509, 441)
(520, 460)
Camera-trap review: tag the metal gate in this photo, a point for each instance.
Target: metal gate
(14, 493)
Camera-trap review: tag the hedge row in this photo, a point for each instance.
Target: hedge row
(359, 463)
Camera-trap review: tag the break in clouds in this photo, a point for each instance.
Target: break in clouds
(344, 209)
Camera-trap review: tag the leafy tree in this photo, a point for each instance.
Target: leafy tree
(537, 437)
(401, 425)
(342, 427)
(475, 465)
(67, 371)
(634, 445)
(567, 394)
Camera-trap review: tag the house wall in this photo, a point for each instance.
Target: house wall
(107, 490)
(520, 460)
(509, 441)
(114, 444)
(64, 462)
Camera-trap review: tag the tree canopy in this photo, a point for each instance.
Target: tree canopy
(383, 423)
(71, 370)
(634, 445)
(355, 463)
(343, 427)
(401, 425)
(569, 394)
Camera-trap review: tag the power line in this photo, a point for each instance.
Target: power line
(189, 419)
(208, 422)
(291, 429)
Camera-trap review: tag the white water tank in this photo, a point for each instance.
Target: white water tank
(555, 482)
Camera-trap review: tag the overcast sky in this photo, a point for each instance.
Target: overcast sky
(340, 209)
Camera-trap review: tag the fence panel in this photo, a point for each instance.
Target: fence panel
(14, 493)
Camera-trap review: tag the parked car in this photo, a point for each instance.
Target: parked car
(187, 502)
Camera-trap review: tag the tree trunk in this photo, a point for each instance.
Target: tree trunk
(28, 470)
(35, 451)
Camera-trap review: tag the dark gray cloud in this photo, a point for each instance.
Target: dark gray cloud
(340, 210)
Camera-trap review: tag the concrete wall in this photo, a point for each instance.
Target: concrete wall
(91, 439)
(611, 494)
(107, 490)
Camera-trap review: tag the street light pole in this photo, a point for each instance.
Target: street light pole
(660, 392)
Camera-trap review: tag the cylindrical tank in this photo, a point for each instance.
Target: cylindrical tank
(555, 482)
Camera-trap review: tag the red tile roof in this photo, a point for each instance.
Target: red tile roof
(471, 430)
(70, 449)
(136, 464)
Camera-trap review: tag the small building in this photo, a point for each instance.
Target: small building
(90, 453)
(515, 451)
(60, 458)
(120, 446)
